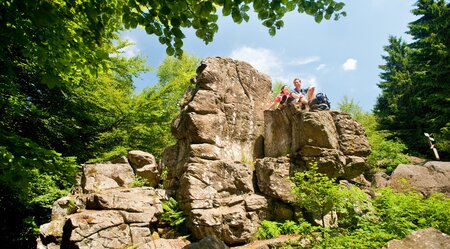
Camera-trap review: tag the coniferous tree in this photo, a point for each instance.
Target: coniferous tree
(416, 81)
(431, 58)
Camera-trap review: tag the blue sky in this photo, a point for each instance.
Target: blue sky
(340, 58)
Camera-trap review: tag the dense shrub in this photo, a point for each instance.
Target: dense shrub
(363, 222)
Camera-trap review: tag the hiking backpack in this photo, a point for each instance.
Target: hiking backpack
(321, 102)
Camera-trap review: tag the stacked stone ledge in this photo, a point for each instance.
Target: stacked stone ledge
(108, 212)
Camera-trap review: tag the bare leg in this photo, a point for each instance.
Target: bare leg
(310, 93)
(304, 101)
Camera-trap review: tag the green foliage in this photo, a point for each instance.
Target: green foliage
(402, 213)
(353, 207)
(172, 213)
(155, 108)
(167, 19)
(276, 88)
(49, 39)
(143, 120)
(416, 81)
(370, 238)
(71, 207)
(387, 152)
(31, 179)
(351, 107)
(268, 230)
(44, 174)
(292, 227)
(315, 192)
(138, 181)
(371, 223)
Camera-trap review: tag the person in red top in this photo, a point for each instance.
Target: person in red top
(281, 98)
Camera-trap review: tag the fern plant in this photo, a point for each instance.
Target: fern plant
(268, 230)
(139, 181)
(172, 213)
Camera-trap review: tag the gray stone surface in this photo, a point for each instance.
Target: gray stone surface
(433, 176)
(429, 238)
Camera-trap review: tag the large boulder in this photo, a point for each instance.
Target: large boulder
(433, 176)
(106, 213)
(101, 176)
(429, 238)
(332, 139)
(228, 170)
(145, 166)
(111, 218)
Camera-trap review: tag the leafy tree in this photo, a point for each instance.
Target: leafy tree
(31, 179)
(66, 40)
(43, 131)
(167, 18)
(58, 41)
(146, 118)
(351, 107)
(69, 118)
(276, 88)
(314, 192)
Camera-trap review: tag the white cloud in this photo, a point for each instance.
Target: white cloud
(320, 67)
(350, 64)
(305, 60)
(131, 50)
(260, 58)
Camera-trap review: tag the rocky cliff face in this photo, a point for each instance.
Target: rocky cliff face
(224, 136)
(229, 168)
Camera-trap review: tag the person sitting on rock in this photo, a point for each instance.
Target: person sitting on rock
(303, 96)
(281, 98)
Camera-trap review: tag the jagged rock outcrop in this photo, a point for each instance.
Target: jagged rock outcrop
(219, 132)
(97, 177)
(225, 136)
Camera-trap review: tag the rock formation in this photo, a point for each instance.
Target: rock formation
(109, 212)
(224, 135)
(228, 170)
(426, 179)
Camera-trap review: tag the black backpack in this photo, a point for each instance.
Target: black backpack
(321, 102)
